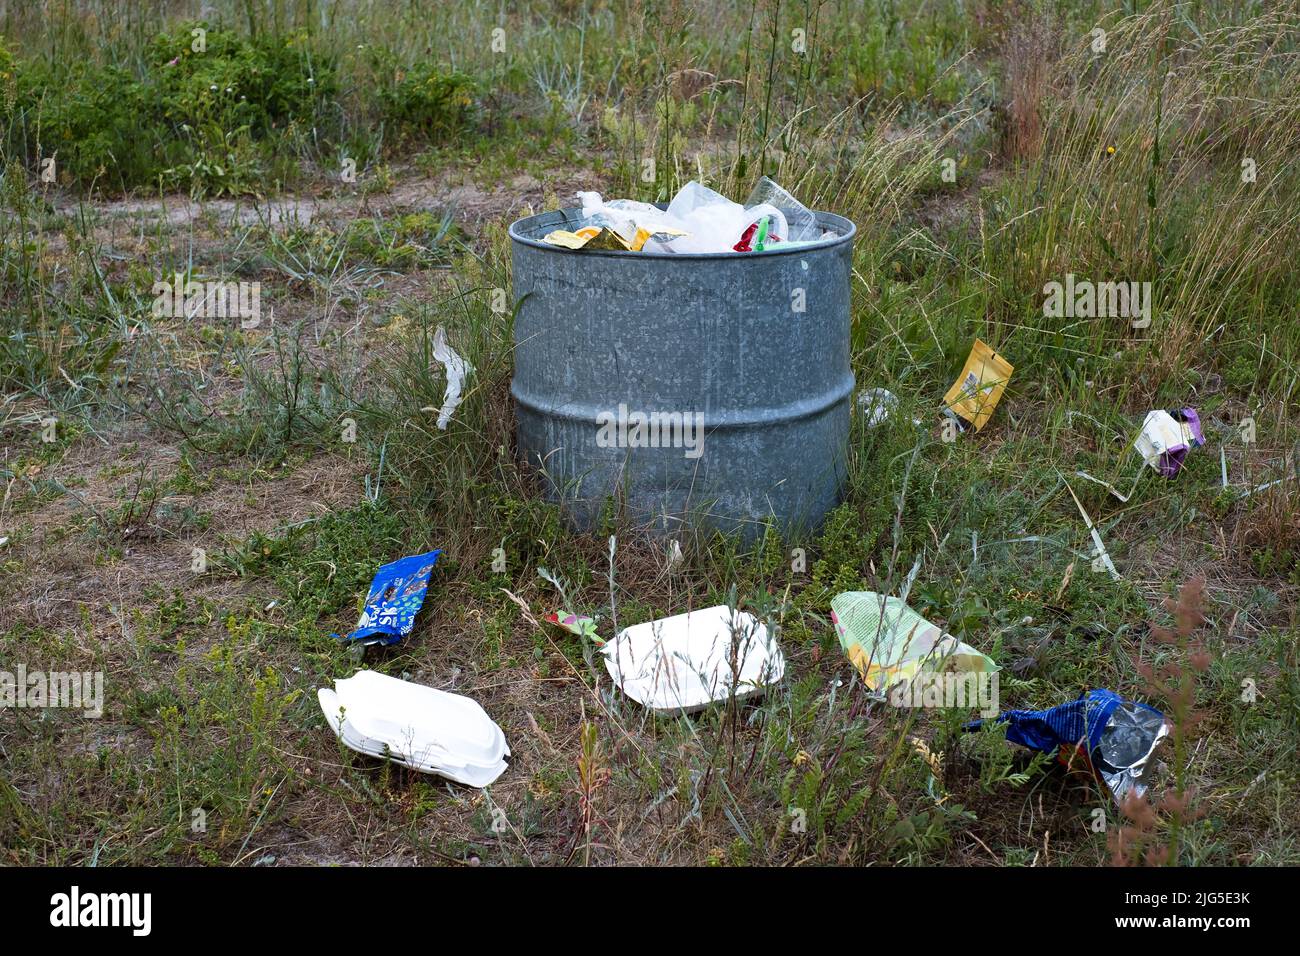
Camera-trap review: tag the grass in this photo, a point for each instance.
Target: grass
(297, 455)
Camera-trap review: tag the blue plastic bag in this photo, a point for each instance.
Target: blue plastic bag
(395, 597)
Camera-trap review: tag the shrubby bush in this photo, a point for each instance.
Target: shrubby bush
(215, 118)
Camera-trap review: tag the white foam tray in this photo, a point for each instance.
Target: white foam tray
(428, 730)
(682, 664)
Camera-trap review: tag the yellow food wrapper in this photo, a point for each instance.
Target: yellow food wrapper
(608, 239)
(592, 237)
(572, 240)
(979, 388)
(643, 234)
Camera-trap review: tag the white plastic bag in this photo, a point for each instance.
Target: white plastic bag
(457, 368)
(714, 222)
(624, 216)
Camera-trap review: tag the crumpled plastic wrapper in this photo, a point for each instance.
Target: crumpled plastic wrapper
(878, 404)
(979, 388)
(1166, 437)
(1118, 736)
(457, 370)
(395, 597)
(889, 643)
(1129, 739)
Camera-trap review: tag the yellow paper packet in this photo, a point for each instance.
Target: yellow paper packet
(979, 388)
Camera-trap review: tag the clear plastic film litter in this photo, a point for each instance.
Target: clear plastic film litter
(713, 222)
(877, 404)
(801, 223)
(457, 370)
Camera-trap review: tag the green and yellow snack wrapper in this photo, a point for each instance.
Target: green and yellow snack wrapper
(575, 240)
(593, 237)
(890, 644)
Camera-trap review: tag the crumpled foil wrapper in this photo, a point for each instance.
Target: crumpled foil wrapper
(1131, 736)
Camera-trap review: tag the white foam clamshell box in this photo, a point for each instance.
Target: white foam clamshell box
(682, 664)
(419, 727)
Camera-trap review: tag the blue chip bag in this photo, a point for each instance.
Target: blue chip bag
(1116, 736)
(396, 595)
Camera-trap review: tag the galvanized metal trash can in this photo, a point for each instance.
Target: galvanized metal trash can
(687, 390)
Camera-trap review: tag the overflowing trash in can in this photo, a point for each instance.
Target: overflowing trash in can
(719, 289)
(698, 220)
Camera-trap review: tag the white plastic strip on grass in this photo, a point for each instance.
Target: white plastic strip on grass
(1111, 488)
(1102, 553)
(1265, 486)
(457, 370)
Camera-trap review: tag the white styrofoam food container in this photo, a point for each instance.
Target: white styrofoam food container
(419, 727)
(683, 663)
